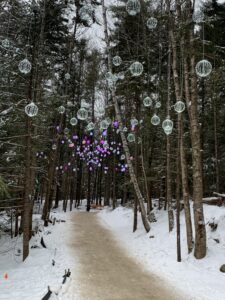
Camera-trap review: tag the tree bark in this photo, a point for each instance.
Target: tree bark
(123, 137)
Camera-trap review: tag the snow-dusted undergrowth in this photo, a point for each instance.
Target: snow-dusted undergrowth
(29, 280)
(156, 251)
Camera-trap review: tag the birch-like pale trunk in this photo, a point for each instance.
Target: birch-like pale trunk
(123, 137)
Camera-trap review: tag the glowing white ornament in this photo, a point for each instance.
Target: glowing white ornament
(125, 129)
(136, 69)
(67, 76)
(66, 131)
(134, 122)
(147, 101)
(108, 120)
(104, 124)
(122, 157)
(158, 104)
(203, 68)
(73, 121)
(5, 43)
(54, 147)
(152, 23)
(31, 109)
(82, 114)
(179, 106)
(90, 126)
(61, 109)
(167, 124)
(121, 75)
(168, 131)
(109, 76)
(155, 120)
(133, 7)
(25, 66)
(131, 137)
(117, 60)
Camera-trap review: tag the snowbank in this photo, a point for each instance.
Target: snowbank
(29, 280)
(156, 251)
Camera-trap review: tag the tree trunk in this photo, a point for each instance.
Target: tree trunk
(123, 137)
(27, 193)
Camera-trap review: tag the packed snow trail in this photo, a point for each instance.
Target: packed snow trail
(105, 271)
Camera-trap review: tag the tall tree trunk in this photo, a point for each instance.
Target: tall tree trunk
(27, 193)
(183, 163)
(216, 143)
(123, 137)
(168, 151)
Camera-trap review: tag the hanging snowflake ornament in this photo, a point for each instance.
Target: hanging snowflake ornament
(5, 43)
(31, 109)
(67, 76)
(117, 60)
(136, 69)
(73, 121)
(133, 122)
(152, 23)
(155, 120)
(147, 101)
(203, 68)
(179, 106)
(82, 114)
(66, 131)
(109, 76)
(121, 75)
(25, 66)
(167, 124)
(90, 126)
(158, 104)
(133, 7)
(104, 124)
(108, 120)
(61, 109)
(168, 131)
(131, 138)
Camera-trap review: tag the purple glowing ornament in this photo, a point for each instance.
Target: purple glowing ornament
(116, 124)
(104, 133)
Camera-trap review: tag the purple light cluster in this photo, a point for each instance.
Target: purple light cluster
(93, 152)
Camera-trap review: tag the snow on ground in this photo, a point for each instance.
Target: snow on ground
(156, 251)
(29, 280)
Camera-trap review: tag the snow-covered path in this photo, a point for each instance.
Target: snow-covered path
(105, 272)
